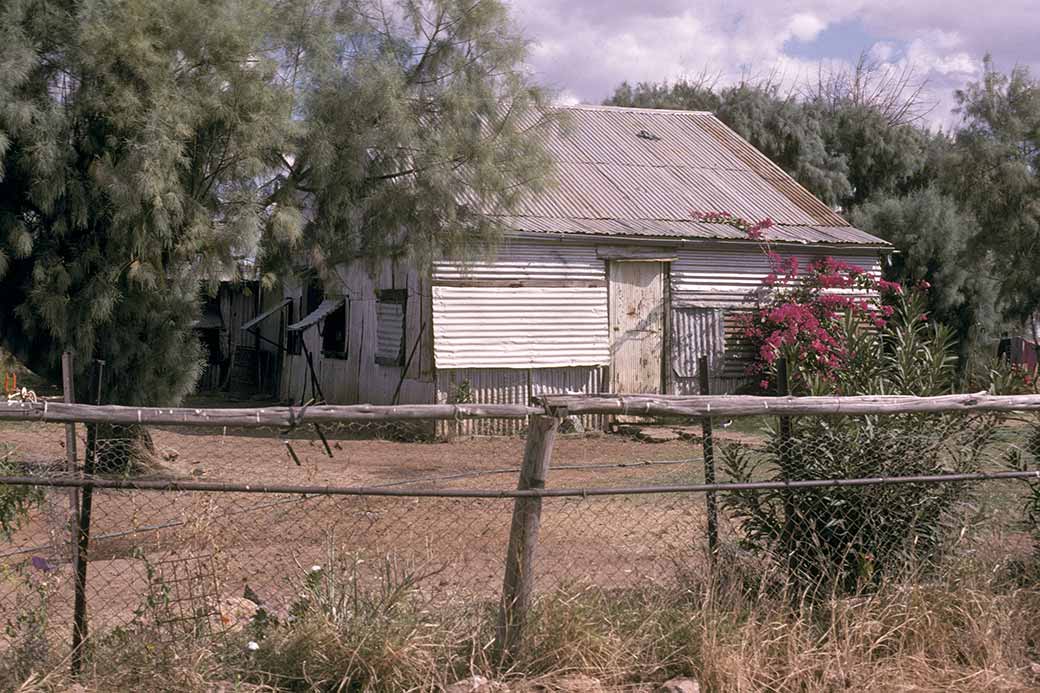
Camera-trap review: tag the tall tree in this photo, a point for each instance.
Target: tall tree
(934, 234)
(148, 144)
(994, 168)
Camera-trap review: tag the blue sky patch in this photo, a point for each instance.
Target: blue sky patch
(841, 41)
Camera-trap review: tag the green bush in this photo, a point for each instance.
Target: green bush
(851, 537)
(15, 501)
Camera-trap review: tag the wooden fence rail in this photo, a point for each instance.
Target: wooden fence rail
(59, 412)
(690, 406)
(744, 405)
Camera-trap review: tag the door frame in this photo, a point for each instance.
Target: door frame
(665, 260)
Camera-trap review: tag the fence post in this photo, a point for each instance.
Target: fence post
(518, 585)
(783, 389)
(709, 464)
(69, 396)
(79, 608)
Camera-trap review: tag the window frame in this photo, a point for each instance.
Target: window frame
(337, 354)
(395, 297)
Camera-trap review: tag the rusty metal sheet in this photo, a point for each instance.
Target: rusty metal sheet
(641, 172)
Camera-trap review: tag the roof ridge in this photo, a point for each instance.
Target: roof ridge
(634, 109)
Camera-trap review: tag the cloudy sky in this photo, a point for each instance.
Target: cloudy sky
(584, 48)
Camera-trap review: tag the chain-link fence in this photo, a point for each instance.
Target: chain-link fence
(168, 532)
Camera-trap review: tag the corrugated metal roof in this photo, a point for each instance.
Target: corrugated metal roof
(642, 172)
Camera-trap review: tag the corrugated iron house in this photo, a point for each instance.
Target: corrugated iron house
(605, 283)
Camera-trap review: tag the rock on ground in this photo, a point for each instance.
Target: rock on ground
(679, 685)
(475, 684)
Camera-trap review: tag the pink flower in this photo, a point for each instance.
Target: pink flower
(764, 384)
(885, 286)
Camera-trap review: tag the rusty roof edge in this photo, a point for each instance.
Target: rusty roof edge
(632, 109)
(881, 246)
(678, 220)
(507, 218)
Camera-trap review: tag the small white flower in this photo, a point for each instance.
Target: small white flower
(252, 646)
(315, 568)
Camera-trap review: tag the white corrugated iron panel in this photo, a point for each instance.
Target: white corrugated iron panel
(700, 332)
(728, 276)
(482, 386)
(511, 386)
(697, 332)
(529, 260)
(519, 327)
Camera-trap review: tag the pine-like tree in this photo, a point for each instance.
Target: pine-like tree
(146, 145)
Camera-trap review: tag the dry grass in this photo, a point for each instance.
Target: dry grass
(974, 627)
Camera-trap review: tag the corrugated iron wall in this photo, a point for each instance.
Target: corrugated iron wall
(520, 260)
(537, 304)
(511, 386)
(697, 332)
(722, 276)
(529, 322)
(709, 287)
(522, 327)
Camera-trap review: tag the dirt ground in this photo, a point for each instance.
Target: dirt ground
(200, 548)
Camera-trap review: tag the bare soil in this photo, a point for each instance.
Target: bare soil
(144, 543)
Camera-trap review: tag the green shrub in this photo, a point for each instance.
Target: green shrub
(15, 501)
(851, 537)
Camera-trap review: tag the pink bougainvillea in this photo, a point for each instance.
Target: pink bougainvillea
(798, 315)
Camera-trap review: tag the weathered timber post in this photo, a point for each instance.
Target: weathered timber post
(518, 585)
(709, 464)
(68, 391)
(783, 389)
(82, 538)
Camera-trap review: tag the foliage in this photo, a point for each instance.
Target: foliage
(1014, 379)
(849, 538)
(25, 627)
(965, 624)
(148, 145)
(754, 230)
(880, 158)
(962, 208)
(933, 234)
(15, 501)
(809, 319)
(348, 631)
(994, 168)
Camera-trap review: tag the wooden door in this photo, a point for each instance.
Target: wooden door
(637, 325)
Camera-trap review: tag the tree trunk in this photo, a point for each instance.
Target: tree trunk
(120, 450)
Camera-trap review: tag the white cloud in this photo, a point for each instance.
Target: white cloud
(805, 26)
(585, 48)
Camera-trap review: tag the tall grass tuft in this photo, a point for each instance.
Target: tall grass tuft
(355, 625)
